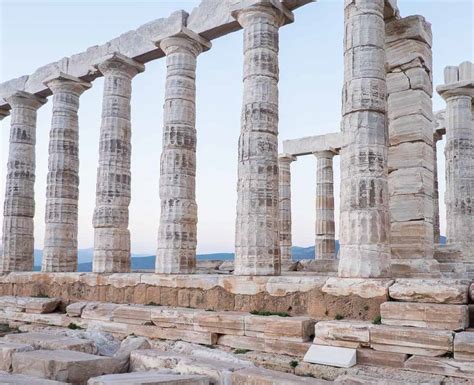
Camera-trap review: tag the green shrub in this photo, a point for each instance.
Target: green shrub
(267, 313)
(377, 320)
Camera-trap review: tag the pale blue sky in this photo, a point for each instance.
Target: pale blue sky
(34, 33)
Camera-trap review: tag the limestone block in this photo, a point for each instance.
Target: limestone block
(424, 315)
(7, 349)
(259, 376)
(411, 240)
(148, 378)
(351, 334)
(412, 27)
(411, 181)
(133, 314)
(378, 358)
(331, 355)
(410, 102)
(443, 366)
(362, 287)
(464, 346)
(19, 379)
(403, 52)
(397, 81)
(220, 322)
(298, 329)
(422, 341)
(41, 305)
(101, 311)
(471, 292)
(63, 365)
(12, 303)
(410, 129)
(363, 379)
(430, 290)
(150, 359)
(48, 341)
(407, 155)
(180, 318)
(75, 309)
(311, 144)
(52, 319)
(411, 207)
(127, 346)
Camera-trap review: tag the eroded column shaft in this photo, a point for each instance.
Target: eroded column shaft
(364, 217)
(284, 166)
(19, 205)
(111, 234)
(436, 224)
(177, 234)
(62, 191)
(325, 243)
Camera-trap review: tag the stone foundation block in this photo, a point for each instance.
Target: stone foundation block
(377, 358)
(6, 353)
(424, 315)
(48, 341)
(362, 287)
(443, 366)
(19, 379)
(29, 304)
(350, 334)
(430, 291)
(75, 309)
(298, 329)
(260, 376)
(149, 378)
(100, 311)
(409, 340)
(150, 359)
(132, 314)
(363, 379)
(411, 240)
(168, 317)
(464, 346)
(63, 365)
(220, 322)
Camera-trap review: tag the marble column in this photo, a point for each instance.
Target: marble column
(364, 216)
(436, 227)
(111, 234)
(177, 234)
(19, 206)
(325, 241)
(284, 169)
(62, 191)
(257, 240)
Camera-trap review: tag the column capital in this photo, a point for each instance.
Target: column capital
(287, 158)
(116, 62)
(459, 89)
(186, 40)
(22, 98)
(63, 81)
(247, 9)
(329, 154)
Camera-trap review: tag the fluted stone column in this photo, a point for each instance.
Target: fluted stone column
(62, 191)
(365, 223)
(111, 234)
(257, 240)
(325, 242)
(284, 167)
(436, 226)
(176, 251)
(19, 206)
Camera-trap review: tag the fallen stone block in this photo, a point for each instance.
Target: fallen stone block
(149, 378)
(258, 376)
(52, 319)
(377, 358)
(331, 355)
(430, 291)
(179, 318)
(425, 315)
(7, 349)
(223, 322)
(75, 309)
(464, 346)
(19, 379)
(100, 311)
(361, 379)
(63, 365)
(421, 341)
(127, 346)
(298, 329)
(150, 359)
(36, 305)
(443, 366)
(349, 334)
(132, 314)
(49, 341)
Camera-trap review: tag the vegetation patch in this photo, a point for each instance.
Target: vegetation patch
(241, 351)
(377, 320)
(73, 326)
(267, 313)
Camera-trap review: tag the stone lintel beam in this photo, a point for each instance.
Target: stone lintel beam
(311, 144)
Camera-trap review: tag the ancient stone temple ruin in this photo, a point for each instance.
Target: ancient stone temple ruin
(392, 306)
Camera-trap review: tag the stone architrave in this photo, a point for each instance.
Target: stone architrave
(19, 206)
(62, 192)
(364, 214)
(436, 225)
(410, 125)
(257, 238)
(284, 170)
(177, 234)
(111, 234)
(325, 241)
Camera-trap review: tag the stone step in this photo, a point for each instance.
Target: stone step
(361, 379)
(378, 358)
(48, 341)
(19, 379)
(443, 366)
(63, 365)
(52, 319)
(464, 346)
(259, 376)
(349, 334)
(7, 349)
(430, 291)
(425, 315)
(36, 305)
(149, 378)
(411, 340)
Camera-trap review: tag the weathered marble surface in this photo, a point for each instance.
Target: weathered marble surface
(284, 170)
(311, 144)
(148, 378)
(7, 349)
(464, 346)
(430, 291)
(443, 366)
